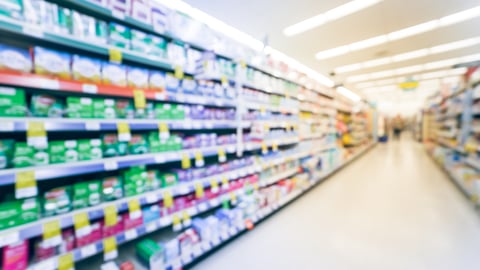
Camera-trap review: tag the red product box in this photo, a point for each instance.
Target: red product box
(115, 229)
(131, 223)
(93, 236)
(15, 256)
(127, 266)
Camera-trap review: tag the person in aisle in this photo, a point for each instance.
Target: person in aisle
(397, 125)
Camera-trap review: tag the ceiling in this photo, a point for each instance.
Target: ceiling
(269, 17)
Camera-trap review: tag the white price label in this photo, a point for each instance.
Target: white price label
(216, 241)
(151, 198)
(88, 251)
(197, 125)
(110, 255)
(7, 126)
(186, 258)
(89, 88)
(177, 227)
(224, 235)
(10, 238)
(202, 207)
(92, 126)
(206, 246)
(214, 202)
(232, 231)
(118, 14)
(152, 226)
(160, 158)
(86, 230)
(160, 96)
(165, 221)
(26, 192)
(110, 165)
(136, 214)
(52, 242)
(49, 264)
(131, 234)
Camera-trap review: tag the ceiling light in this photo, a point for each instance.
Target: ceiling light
(406, 32)
(377, 62)
(332, 53)
(410, 55)
(365, 85)
(349, 94)
(408, 70)
(382, 74)
(331, 15)
(358, 78)
(441, 64)
(348, 68)
(455, 45)
(469, 58)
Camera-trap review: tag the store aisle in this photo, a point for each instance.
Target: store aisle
(391, 209)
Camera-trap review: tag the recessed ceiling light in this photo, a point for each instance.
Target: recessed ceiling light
(331, 15)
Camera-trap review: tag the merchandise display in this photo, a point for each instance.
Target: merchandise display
(121, 127)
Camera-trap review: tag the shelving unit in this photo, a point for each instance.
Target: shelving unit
(180, 139)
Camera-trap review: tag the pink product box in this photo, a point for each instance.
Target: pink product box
(131, 223)
(15, 256)
(95, 235)
(115, 229)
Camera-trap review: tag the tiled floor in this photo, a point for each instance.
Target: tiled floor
(391, 209)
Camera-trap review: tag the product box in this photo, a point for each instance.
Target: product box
(88, 28)
(6, 153)
(63, 151)
(104, 108)
(141, 11)
(158, 47)
(86, 69)
(95, 235)
(137, 77)
(156, 146)
(141, 42)
(119, 36)
(151, 254)
(134, 181)
(189, 86)
(163, 111)
(89, 149)
(87, 194)
(114, 74)
(169, 179)
(120, 6)
(52, 63)
(156, 80)
(26, 156)
(42, 252)
(15, 256)
(112, 188)
(159, 18)
(172, 83)
(174, 143)
(151, 213)
(57, 201)
(15, 59)
(177, 112)
(112, 147)
(137, 145)
(18, 212)
(114, 229)
(12, 102)
(12, 9)
(124, 109)
(79, 107)
(152, 182)
(146, 113)
(62, 20)
(46, 106)
(129, 223)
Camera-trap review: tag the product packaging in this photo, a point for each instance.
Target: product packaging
(12, 102)
(150, 253)
(140, 42)
(112, 188)
(169, 179)
(187, 241)
(89, 149)
(114, 74)
(151, 213)
(172, 83)
(15, 59)
(177, 112)
(114, 229)
(137, 77)
(18, 212)
(26, 156)
(79, 107)
(87, 194)
(189, 86)
(88, 28)
(152, 182)
(86, 69)
(104, 108)
(119, 36)
(156, 80)
(112, 147)
(137, 145)
(158, 47)
(124, 109)
(46, 106)
(51, 63)
(174, 143)
(155, 144)
(163, 111)
(15, 256)
(12, 9)
(120, 6)
(141, 11)
(6, 153)
(129, 223)
(134, 181)
(63, 151)
(57, 201)
(159, 18)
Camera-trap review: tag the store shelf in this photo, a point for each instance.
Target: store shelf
(473, 162)
(258, 106)
(275, 178)
(20, 124)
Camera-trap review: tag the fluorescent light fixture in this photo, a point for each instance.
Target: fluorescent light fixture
(410, 55)
(333, 52)
(365, 85)
(469, 58)
(441, 64)
(377, 62)
(455, 45)
(349, 68)
(408, 70)
(349, 94)
(404, 33)
(359, 78)
(331, 15)
(382, 74)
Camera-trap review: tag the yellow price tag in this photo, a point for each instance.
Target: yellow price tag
(111, 215)
(186, 216)
(124, 134)
(139, 99)
(233, 196)
(81, 220)
(214, 185)
(163, 130)
(51, 229)
(167, 199)
(264, 148)
(263, 110)
(266, 127)
(179, 72)
(36, 134)
(133, 206)
(222, 156)
(25, 185)
(275, 146)
(199, 162)
(109, 244)
(224, 80)
(186, 163)
(176, 220)
(115, 55)
(199, 190)
(243, 64)
(225, 181)
(65, 262)
(255, 186)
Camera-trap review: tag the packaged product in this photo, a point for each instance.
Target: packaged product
(119, 36)
(152, 182)
(88, 28)
(141, 11)
(18, 212)
(62, 19)
(140, 41)
(15, 256)
(174, 143)
(86, 69)
(79, 107)
(112, 147)
(6, 153)
(46, 106)
(52, 63)
(137, 77)
(15, 59)
(172, 250)
(159, 18)
(89, 149)
(57, 201)
(150, 253)
(87, 194)
(172, 83)
(104, 108)
(12, 102)
(114, 229)
(129, 222)
(187, 241)
(43, 252)
(124, 109)
(63, 151)
(134, 181)
(114, 74)
(146, 113)
(137, 145)
(158, 47)
(112, 188)
(156, 80)
(177, 112)
(120, 6)
(189, 86)
(176, 53)
(155, 144)
(169, 179)
(12, 9)
(163, 111)
(26, 156)
(151, 213)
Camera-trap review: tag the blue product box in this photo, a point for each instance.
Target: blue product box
(15, 59)
(151, 214)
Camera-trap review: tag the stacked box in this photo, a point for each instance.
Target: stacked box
(63, 151)
(26, 156)
(46, 106)
(112, 188)
(134, 181)
(18, 212)
(15, 59)
(12, 102)
(86, 194)
(89, 149)
(57, 201)
(6, 153)
(79, 107)
(52, 63)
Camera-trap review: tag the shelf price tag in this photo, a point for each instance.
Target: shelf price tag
(233, 197)
(134, 209)
(224, 80)
(25, 185)
(111, 215)
(225, 183)
(187, 221)
(115, 55)
(222, 156)
(186, 162)
(264, 148)
(263, 110)
(243, 64)
(179, 72)
(139, 99)
(199, 161)
(110, 251)
(163, 131)
(275, 146)
(167, 199)
(65, 262)
(37, 134)
(255, 186)
(199, 193)
(214, 186)
(124, 134)
(81, 224)
(51, 234)
(176, 222)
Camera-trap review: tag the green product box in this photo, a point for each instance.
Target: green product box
(26, 156)
(177, 112)
(88, 28)
(57, 201)
(12, 102)
(137, 145)
(46, 106)
(112, 147)
(119, 36)
(158, 47)
(112, 188)
(151, 253)
(134, 181)
(63, 151)
(156, 146)
(163, 111)
(169, 179)
(12, 9)
(6, 153)
(79, 107)
(174, 143)
(104, 108)
(18, 212)
(147, 113)
(90, 149)
(152, 182)
(140, 41)
(87, 194)
(124, 109)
